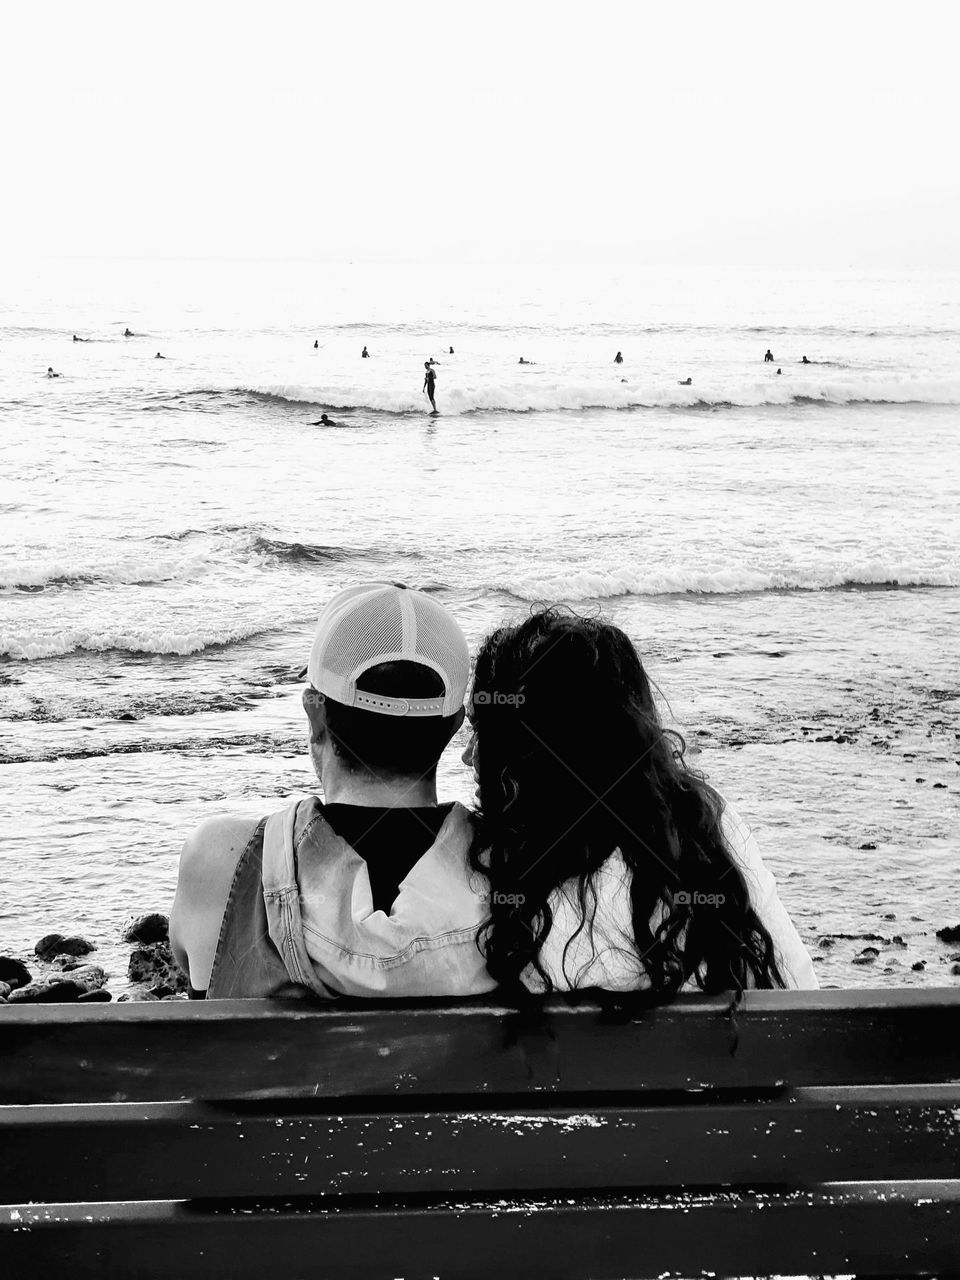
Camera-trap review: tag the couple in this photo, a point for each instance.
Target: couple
(594, 857)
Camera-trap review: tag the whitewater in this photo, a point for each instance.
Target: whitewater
(784, 548)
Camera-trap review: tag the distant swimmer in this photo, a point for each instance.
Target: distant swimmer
(522, 361)
(430, 383)
(127, 333)
(76, 339)
(687, 382)
(805, 361)
(316, 344)
(768, 358)
(618, 358)
(451, 351)
(364, 354)
(51, 374)
(779, 371)
(158, 356)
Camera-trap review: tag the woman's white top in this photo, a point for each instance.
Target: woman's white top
(606, 956)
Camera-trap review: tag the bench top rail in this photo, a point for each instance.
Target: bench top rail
(232, 1050)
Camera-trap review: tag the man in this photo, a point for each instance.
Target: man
(369, 893)
(430, 382)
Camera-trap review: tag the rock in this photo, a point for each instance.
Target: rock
(891, 915)
(65, 962)
(177, 995)
(5, 989)
(949, 933)
(55, 944)
(89, 997)
(955, 970)
(14, 972)
(868, 845)
(58, 992)
(140, 993)
(867, 956)
(939, 786)
(920, 965)
(154, 964)
(48, 946)
(88, 976)
(826, 942)
(897, 941)
(148, 929)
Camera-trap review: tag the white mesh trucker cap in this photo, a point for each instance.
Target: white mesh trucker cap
(378, 622)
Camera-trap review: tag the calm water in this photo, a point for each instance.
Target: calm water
(784, 549)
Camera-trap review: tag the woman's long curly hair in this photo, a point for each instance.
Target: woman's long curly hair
(573, 763)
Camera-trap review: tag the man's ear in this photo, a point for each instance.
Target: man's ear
(314, 705)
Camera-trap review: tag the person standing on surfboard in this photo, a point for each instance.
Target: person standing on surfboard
(429, 383)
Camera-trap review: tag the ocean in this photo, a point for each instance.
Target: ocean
(783, 547)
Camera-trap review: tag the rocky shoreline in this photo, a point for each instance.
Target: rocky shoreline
(66, 976)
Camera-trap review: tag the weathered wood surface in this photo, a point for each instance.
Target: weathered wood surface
(249, 1049)
(875, 1228)
(189, 1150)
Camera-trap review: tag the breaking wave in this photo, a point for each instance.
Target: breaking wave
(533, 396)
(589, 584)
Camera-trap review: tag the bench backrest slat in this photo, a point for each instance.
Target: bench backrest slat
(190, 1150)
(870, 1229)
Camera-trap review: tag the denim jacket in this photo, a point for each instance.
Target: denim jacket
(300, 917)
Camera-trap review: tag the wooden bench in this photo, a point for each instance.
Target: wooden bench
(796, 1133)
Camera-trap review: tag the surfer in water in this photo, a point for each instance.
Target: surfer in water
(451, 351)
(50, 373)
(364, 354)
(522, 361)
(127, 333)
(806, 361)
(316, 344)
(687, 382)
(324, 421)
(430, 384)
(618, 358)
(158, 356)
(768, 358)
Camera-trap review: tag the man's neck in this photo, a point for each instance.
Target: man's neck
(340, 786)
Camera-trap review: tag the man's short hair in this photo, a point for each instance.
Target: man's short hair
(392, 746)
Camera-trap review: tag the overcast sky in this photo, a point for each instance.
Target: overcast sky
(658, 132)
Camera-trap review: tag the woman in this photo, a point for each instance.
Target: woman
(611, 863)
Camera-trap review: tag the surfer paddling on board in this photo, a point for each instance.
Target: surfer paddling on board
(430, 383)
(324, 421)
